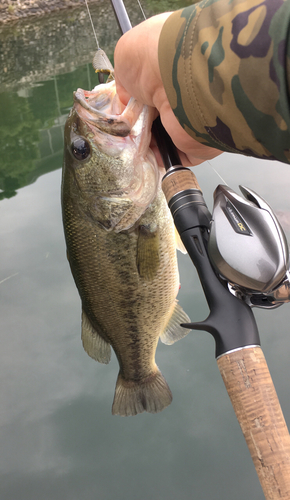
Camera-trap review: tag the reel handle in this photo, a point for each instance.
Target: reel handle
(250, 387)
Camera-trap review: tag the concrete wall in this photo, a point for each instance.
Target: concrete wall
(38, 48)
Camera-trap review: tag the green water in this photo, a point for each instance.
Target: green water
(58, 439)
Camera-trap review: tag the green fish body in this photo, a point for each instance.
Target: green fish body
(121, 244)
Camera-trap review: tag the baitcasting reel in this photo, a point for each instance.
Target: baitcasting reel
(248, 248)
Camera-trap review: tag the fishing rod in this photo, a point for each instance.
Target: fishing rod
(231, 291)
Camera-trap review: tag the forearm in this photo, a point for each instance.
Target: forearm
(224, 67)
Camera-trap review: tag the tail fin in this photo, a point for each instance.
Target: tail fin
(151, 394)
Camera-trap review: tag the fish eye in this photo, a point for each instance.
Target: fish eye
(80, 149)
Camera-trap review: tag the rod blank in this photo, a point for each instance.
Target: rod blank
(121, 15)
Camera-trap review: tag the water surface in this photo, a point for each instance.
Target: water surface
(58, 438)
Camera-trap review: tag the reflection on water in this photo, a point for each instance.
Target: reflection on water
(32, 134)
(58, 439)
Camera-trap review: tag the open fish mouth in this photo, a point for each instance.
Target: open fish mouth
(102, 108)
(123, 134)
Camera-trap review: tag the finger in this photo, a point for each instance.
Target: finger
(122, 94)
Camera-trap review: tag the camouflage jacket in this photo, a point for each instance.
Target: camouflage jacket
(225, 66)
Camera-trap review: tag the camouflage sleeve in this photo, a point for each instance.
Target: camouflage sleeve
(226, 71)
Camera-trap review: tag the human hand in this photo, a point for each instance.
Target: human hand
(137, 75)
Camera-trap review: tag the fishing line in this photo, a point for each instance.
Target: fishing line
(223, 181)
(98, 46)
(143, 13)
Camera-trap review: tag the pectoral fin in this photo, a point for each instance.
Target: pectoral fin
(173, 330)
(94, 345)
(148, 258)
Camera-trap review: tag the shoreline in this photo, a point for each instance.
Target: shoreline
(15, 10)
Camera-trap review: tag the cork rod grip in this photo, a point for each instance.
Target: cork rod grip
(178, 180)
(253, 396)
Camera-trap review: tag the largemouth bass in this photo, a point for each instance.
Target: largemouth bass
(121, 244)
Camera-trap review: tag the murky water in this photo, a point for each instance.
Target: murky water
(58, 439)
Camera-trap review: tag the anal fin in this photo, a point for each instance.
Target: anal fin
(93, 343)
(173, 331)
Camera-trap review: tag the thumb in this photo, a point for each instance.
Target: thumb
(122, 93)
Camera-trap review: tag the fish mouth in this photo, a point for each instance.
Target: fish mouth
(102, 108)
(124, 133)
